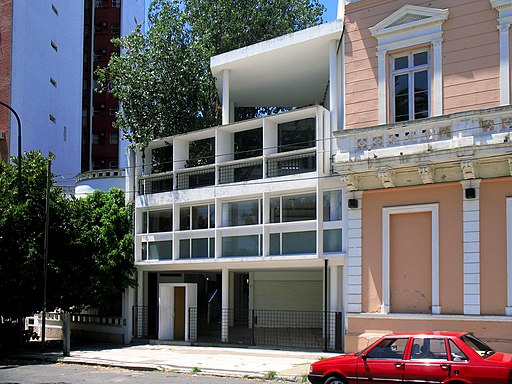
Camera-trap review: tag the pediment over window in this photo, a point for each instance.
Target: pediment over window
(410, 18)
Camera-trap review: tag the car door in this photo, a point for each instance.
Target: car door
(428, 361)
(384, 362)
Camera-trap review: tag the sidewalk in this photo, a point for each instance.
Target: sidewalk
(219, 361)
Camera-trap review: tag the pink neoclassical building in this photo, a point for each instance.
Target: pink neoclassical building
(425, 156)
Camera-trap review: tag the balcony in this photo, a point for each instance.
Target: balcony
(268, 147)
(439, 149)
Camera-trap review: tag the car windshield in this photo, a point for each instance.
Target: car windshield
(478, 346)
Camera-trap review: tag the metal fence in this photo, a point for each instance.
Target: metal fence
(291, 165)
(145, 322)
(315, 330)
(155, 184)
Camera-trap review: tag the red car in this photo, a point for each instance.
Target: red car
(432, 357)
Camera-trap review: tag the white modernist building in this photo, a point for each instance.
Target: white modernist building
(247, 243)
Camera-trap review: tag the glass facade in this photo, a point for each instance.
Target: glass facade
(157, 221)
(240, 213)
(333, 205)
(233, 246)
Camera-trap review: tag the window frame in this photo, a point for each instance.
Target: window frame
(410, 71)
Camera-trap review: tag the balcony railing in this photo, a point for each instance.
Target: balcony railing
(284, 164)
(467, 129)
(195, 177)
(160, 182)
(241, 170)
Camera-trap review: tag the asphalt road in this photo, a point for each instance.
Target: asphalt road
(25, 372)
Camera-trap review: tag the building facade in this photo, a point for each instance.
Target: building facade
(381, 202)
(54, 95)
(425, 153)
(238, 243)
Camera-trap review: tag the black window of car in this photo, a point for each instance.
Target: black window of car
(391, 348)
(478, 345)
(429, 349)
(456, 353)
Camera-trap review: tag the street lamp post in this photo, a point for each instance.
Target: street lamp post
(20, 194)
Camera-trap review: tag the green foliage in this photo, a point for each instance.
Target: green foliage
(163, 78)
(89, 249)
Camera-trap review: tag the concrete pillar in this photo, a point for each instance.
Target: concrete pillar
(225, 97)
(225, 306)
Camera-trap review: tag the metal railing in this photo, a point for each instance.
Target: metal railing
(145, 321)
(96, 319)
(291, 164)
(315, 330)
(242, 170)
(161, 182)
(195, 178)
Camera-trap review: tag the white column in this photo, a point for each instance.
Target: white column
(354, 255)
(508, 309)
(471, 243)
(225, 306)
(383, 107)
(504, 64)
(225, 97)
(333, 84)
(128, 303)
(437, 105)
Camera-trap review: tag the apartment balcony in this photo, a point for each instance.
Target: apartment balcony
(102, 179)
(288, 144)
(462, 146)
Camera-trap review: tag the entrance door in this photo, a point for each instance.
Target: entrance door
(179, 313)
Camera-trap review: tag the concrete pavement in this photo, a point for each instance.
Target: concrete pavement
(219, 361)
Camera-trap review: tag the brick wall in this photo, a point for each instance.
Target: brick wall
(5, 71)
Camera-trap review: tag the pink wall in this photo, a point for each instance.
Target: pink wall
(470, 56)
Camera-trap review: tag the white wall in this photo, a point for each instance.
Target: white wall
(34, 61)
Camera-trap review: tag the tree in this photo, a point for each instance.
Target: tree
(90, 244)
(163, 79)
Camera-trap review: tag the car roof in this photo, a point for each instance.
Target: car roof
(427, 334)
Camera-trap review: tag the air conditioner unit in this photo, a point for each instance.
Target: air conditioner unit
(2, 135)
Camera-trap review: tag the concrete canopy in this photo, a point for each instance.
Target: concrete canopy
(288, 71)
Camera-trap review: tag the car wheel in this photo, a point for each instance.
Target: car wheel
(334, 380)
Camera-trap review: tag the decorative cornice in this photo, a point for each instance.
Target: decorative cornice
(468, 169)
(350, 181)
(426, 173)
(501, 4)
(385, 176)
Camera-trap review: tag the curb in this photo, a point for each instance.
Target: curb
(162, 368)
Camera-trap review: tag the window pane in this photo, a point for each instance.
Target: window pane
(429, 349)
(240, 246)
(402, 62)
(160, 250)
(420, 58)
(160, 221)
(421, 88)
(144, 251)
(402, 85)
(144, 228)
(332, 205)
(240, 213)
(332, 240)
(275, 244)
(185, 249)
(248, 143)
(212, 247)
(299, 242)
(295, 135)
(199, 248)
(456, 353)
(299, 208)
(212, 216)
(402, 108)
(200, 217)
(388, 349)
(184, 219)
(275, 210)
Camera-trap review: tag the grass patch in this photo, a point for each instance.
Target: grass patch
(271, 375)
(195, 370)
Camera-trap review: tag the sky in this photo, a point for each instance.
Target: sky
(332, 9)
